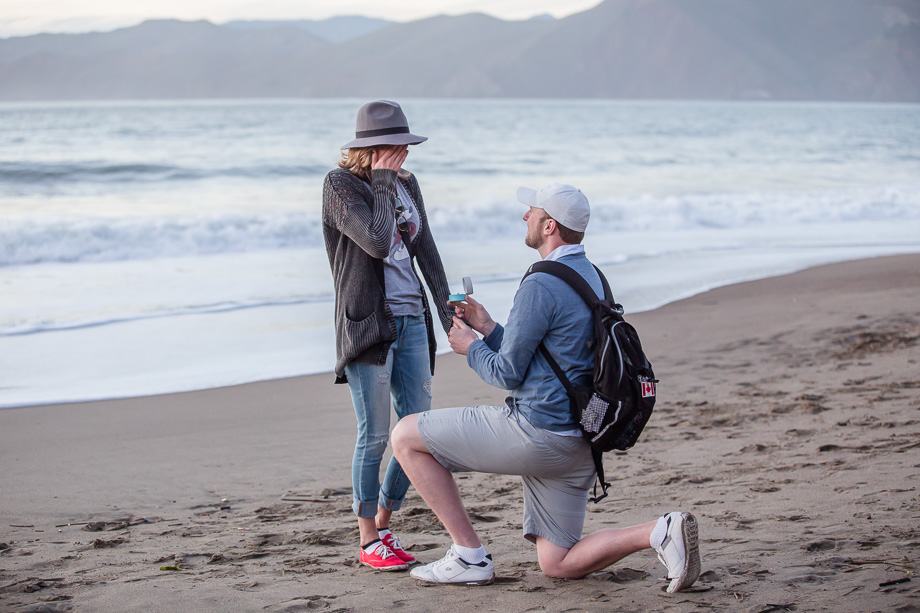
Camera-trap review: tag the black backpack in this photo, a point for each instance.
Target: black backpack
(614, 409)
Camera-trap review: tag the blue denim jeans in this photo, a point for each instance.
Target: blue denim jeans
(406, 376)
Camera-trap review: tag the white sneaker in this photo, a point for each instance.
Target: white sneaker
(680, 550)
(454, 569)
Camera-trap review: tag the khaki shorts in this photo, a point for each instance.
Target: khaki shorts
(557, 471)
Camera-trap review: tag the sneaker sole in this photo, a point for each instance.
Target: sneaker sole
(691, 572)
(387, 568)
(488, 581)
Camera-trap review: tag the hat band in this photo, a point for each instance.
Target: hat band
(382, 132)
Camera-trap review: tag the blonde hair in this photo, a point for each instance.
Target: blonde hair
(357, 161)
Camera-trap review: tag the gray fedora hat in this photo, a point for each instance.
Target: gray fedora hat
(382, 123)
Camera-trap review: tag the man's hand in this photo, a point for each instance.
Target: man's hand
(389, 157)
(461, 336)
(476, 315)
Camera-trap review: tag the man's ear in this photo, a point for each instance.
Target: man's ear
(549, 229)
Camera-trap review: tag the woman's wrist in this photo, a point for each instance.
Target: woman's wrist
(383, 173)
(384, 177)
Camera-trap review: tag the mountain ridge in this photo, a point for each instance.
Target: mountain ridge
(849, 50)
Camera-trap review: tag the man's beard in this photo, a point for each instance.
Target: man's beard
(534, 241)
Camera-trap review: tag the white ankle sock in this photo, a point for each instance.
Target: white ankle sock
(658, 533)
(383, 532)
(370, 547)
(472, 556)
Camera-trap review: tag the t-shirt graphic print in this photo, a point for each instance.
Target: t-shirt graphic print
(402, 286)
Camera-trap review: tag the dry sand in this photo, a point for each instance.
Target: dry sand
(788, 421)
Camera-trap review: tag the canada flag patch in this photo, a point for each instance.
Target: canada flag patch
(648, 389)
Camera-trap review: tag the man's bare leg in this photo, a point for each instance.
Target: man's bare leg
(592, 553)
(434, 482)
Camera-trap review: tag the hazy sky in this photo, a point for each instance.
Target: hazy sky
(22, 17)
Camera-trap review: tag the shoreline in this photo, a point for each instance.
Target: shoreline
(788, 422)
(753, 278)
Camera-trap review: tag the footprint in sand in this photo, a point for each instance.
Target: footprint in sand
(822, 545)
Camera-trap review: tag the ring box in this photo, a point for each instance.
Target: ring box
(467, 289)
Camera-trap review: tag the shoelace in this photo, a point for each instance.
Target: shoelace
(385, 553)
(395, 541)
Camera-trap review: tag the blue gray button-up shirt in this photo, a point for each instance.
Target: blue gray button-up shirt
(545, 309)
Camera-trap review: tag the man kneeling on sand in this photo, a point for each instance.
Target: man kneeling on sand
(534, 434)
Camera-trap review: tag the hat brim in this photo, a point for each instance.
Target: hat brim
(386, 139)
(527, 196)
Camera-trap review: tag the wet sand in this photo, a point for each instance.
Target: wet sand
(788, 421)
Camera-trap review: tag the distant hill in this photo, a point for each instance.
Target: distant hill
(333, 30)
(156, 59)
(867, 50)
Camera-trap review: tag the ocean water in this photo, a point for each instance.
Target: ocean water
(150, 247)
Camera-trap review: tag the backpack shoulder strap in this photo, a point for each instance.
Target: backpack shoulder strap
(578, 283)
(608, 295)
(575, 280)
(560, 374)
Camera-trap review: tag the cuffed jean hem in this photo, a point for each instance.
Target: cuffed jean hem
(390, 504)
(364, 508)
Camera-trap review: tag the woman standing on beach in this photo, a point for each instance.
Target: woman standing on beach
(374, 225)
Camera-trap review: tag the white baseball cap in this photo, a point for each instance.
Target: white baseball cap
(564, 203)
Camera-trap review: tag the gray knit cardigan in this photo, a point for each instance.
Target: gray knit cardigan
(358, 226)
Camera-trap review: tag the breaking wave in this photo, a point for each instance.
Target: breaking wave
(103, 239)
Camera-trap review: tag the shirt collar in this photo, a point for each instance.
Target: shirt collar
(564, 250)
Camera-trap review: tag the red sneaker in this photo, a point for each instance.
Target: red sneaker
(382, 559)
(392, 541)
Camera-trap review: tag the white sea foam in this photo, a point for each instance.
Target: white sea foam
(104, 239)
(693, 211)
(110, 240)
